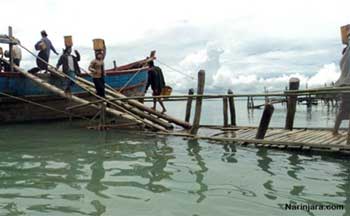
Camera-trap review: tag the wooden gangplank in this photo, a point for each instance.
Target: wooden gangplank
(303, 139)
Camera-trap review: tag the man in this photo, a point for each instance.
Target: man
(70, 66)
(344, 80)
(157, 83)
(97, 71)
(46, 46)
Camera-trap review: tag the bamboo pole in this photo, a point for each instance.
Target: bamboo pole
(198, 110)
(189, 105)
(142, 107)
(225, 110)
(232, 107)
(291, 104)
(265, 121)
(77, 99)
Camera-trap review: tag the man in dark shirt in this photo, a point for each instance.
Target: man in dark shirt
(157, 83)
(45, 45)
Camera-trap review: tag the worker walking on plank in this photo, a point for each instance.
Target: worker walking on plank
(97, 71)
(157, 83)
(70, 66)
(45, 45)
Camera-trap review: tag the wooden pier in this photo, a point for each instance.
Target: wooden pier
(303, 139)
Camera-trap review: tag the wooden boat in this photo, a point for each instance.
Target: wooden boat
(131, 79)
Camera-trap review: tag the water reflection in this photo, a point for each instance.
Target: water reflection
(345, 186)
(130, 172)
(264, 160)
(295, 162)
(229, 153)
(194, 152)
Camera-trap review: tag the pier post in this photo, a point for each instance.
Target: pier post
(114, 64)
(291, 103)
(189, 105)
(232, 107)
(265, 121)
(225, 110)
(200, 91)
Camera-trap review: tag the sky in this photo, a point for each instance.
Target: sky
(242, 45)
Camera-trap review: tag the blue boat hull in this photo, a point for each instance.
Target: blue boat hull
(12, 110)
(18, 85)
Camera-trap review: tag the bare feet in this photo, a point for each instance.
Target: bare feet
(153, 108)
(164, 110)
(335, 133)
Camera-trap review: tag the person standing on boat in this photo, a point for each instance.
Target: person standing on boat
(157, 83)
(97, 71)
(344, 80)
(46, 46)
(70, 66)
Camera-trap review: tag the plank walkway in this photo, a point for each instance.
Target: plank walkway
(303, 139)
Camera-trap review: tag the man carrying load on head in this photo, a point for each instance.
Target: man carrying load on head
(70, 67)
(97, 71)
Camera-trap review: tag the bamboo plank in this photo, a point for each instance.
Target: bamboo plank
(288, 135)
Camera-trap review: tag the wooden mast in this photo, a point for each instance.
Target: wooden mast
(10, 34)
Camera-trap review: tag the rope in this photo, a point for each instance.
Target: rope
(127, 83)
(41, 105)
(178, 71)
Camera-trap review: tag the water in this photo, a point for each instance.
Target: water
(63, 169)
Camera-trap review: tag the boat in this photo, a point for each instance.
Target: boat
(130, 80)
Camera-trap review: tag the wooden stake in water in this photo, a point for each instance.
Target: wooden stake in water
(291, 103)
(200, 91)
(232, 107)
(265, 121)
(189, 105)
(225, 110)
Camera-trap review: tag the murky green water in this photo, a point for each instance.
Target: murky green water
(63, 169)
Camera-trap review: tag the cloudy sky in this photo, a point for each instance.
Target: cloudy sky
(242, 45)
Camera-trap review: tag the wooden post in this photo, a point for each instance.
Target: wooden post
(291, 103)
(10, 34)
(232, 107)
(200, 91)
(189, 105)
(265, 121)
(225, 110)
(115, 64)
